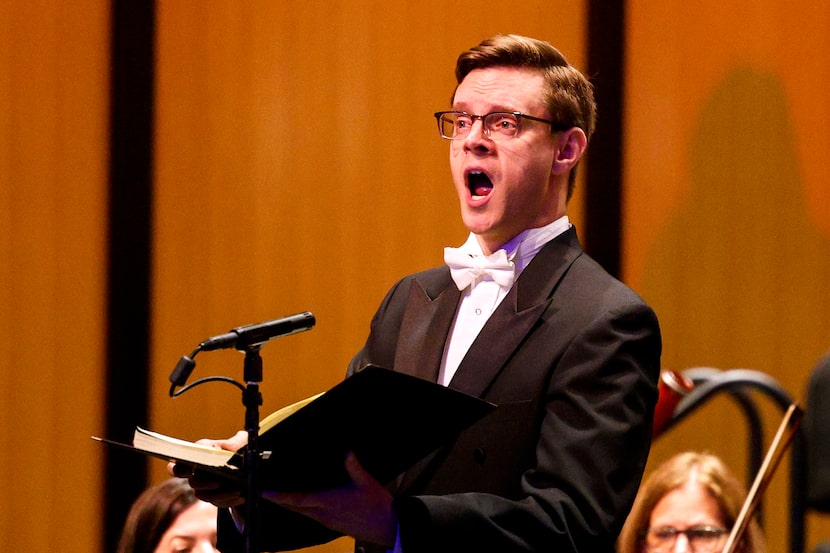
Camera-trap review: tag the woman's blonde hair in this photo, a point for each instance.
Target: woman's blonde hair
(708, 470)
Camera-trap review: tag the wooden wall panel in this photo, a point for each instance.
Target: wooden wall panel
(727, 207)
(53, 145)
(298, 168)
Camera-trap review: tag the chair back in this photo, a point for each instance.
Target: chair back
(817, 437)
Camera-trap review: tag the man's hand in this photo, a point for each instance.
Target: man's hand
(362, 509)
(208, 487)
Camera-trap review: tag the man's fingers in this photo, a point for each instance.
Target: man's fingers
(182, 470)
(220, 499)
(355, 469)
(235, 442)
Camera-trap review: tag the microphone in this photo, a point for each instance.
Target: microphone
(247, 336)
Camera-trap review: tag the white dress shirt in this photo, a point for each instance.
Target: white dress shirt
(480, 299)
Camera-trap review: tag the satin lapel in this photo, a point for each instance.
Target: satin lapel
(424, 330)
(516, 315)
(494, 344)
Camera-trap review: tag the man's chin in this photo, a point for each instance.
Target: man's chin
(476, 224)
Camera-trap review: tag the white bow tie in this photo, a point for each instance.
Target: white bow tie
(467, 269)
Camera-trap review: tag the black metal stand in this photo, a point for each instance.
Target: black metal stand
(248, 339)
(252, 399)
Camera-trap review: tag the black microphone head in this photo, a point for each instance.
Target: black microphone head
(254, 335)
(258, 334)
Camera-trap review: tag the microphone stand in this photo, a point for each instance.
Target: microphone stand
(252, 399)
(248, 339)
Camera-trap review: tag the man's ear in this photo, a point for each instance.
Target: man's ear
(570, 145)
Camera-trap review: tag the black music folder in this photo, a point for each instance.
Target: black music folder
(389, 419)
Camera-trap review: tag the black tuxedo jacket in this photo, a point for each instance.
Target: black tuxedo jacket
(571, 357)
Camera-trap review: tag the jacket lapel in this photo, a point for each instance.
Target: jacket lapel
(424, 329)
(427, 325)
(516, 315)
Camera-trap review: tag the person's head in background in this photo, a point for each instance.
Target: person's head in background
(688, 504)
(168, 518)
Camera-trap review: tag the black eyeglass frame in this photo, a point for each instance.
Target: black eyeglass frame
(715, 532)
(473, 117)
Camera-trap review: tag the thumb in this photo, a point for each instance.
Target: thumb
(356, 471)
(234, 443)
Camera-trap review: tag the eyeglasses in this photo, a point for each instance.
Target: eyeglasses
(702, 539)
(497, 125)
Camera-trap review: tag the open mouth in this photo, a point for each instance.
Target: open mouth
(479, 184)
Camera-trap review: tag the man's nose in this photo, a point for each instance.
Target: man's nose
(478, 137)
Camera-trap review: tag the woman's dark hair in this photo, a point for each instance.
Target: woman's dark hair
(152, 513)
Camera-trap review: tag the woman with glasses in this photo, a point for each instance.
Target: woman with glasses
(688, 504)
